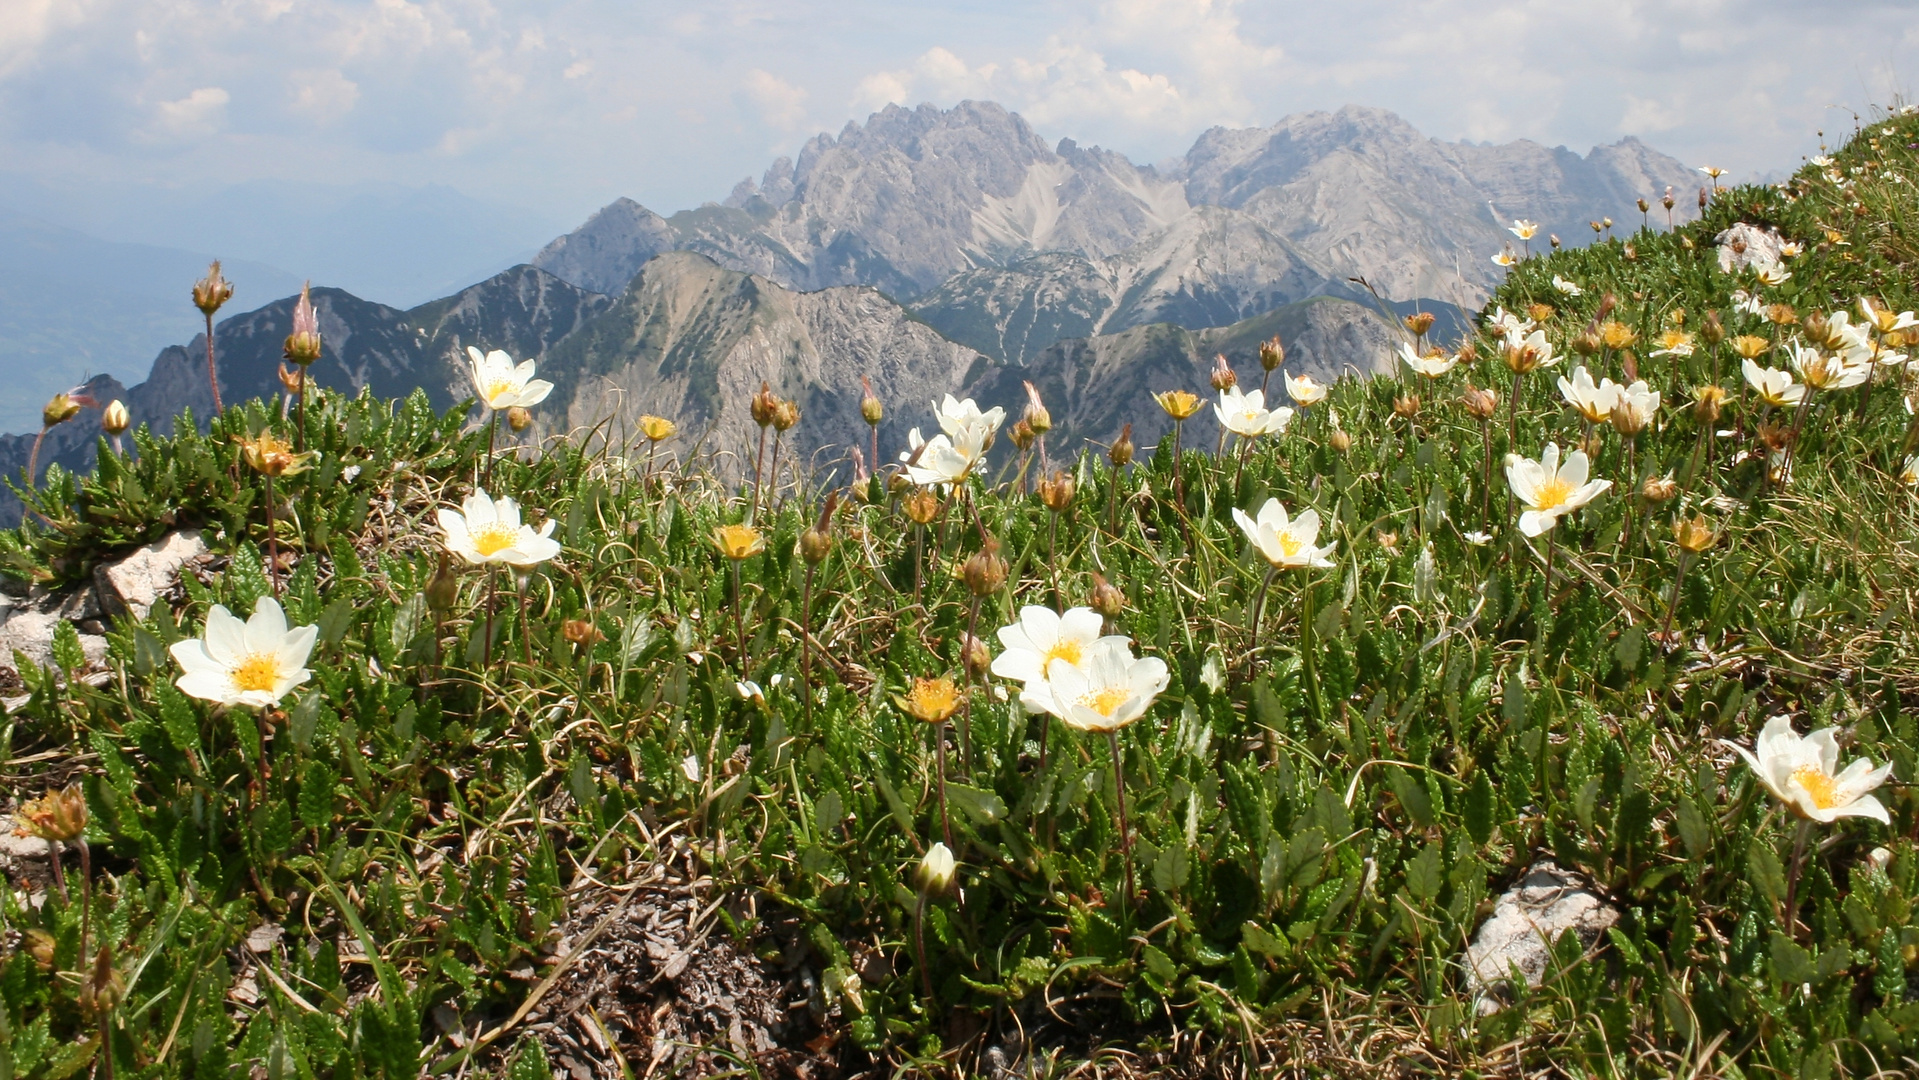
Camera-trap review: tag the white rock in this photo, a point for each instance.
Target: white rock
(31, 632)
(131, 585)
(1544, 903)
(1744, 246)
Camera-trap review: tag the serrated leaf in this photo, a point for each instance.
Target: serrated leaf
(1425, 873)
(1480, 806)
(1412, 796)
(983, 807)
(318, 789)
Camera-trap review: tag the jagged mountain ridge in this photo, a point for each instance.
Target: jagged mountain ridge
(915, 196)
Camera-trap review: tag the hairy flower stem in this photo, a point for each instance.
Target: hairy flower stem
(939, 743)
(59, 875)
(919, 559)
(1179, 480)
(520, 582)
(774, 472)
(806, 646)
(492, 601)
(739, 619)
(1678, 581)
(919, 942)
(86, 892)
(1052, 559)
(300, 415)
(759, 460)
(1486, 482)
(1512, 414)
(1793, 873)
(273, 542)
(1308, 647)
(1259, 611)
(966, 703)
(492, 433)
(213, 374)
(1112, 506)
(33, 459)
(1125, 831)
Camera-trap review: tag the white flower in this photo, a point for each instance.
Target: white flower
(690, 767)
(1593, 402)
(501, 385)
(1244, 413)
(1549, 489)
(1746, 302)
(1713, 171)
(1111, 689)
(1565, 286)
(1909, 472)
(1479, 539)
(1821, 161)
(484, 531)
(1305, 390)
(1774, 274)
(1285, 543)
(1824, 371)
(1803, 772)
(1775, 387)
(750, 691)
(256, 662)
(943, 460)
(1524, 229)
(1508, 325)
(1042, 636)
(957, 418)
(1505, 258)
(936, 869)
(1885, 321)
(1791, 249)
(1432, 365)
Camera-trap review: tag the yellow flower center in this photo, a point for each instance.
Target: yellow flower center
(493, 538)
(1552, 493)
(1823, 789)
(1104, 702)
(497, 388)
(1063, 649)
(1289, 544)
(256, 671)
(737, 541)
(932, 700)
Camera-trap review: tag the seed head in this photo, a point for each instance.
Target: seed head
(1482, 404)
(519, 418)
(871, 410)
(1707, 402)
(1121, 452)
(212, 291)
(1816, 328)
(1406, 406)
(1587, 343)
(984, 570)
(59, 815)
(1107, 599)
(1223, 377)
(1272, 353)
(786, 413)
(302, 347)
(922, 506)
(1056, 491)
(1023, 435)
(763, 405)
(1659, 489)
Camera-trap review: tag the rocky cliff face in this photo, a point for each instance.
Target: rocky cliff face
(916, 196)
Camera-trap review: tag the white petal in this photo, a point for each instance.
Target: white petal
(267, 628)
(1081, 624)
(535, 392)
(207, 686)
(297, 646)
(1537, 522)
(226, 636)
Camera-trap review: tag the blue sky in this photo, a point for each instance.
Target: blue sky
(561, 105)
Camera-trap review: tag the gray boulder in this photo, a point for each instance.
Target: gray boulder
(1543, 904)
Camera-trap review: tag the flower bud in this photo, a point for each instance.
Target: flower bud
(302, 347)
(1467, 352)
(1540, 313)
(922, 506)
(1686, 243)
(1668, 201)
(1406, 407)
(115, 420)
(1056, 491)
(1482, 404)
(1553, 239)
(212, 291)
(763, 405)
(1587, 343)
(1644, 205)
(1707, 402)
(518, 418)
(1106, 598)
(871, 410)
(975, 657)
(1712, 330)
(1816, 328)
(936, 871)
(984, 570)
(1606, 221)
(1272, 353)
(1702, 198)
(443, 588)
(785, 414)
(814, 544)
(102, 991)
(1776, 436)
(1339, 440)
(1659, 488)
(1223, 377)
(1695, 535)
(1121, 452)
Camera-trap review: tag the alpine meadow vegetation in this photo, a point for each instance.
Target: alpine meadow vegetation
(1207, 761)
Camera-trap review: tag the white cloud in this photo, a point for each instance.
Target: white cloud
(325, 95)
(197, 115)
(781, 104)
(1645, 115)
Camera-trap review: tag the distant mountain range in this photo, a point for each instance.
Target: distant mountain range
(954, 250)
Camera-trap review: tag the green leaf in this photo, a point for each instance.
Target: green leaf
(1767, 874)
(1791, 963)
(318, 789)
(1171, 868)
(1480, 807)
(276, 826)
(983, 807)
(1425, 873)
(1258, 939)
(1412, 796)
(1694, 832)
(529, 1061)
(66, 647)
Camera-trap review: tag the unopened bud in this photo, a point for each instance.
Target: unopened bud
(922, 506)
(581, 632)
(1816, 327)
(1036, 416)
(519, 418)
(1668, 201)
(814, 544)
(1106, 598)
(443, 588)
(1659, 488)
(1587, 343)
(975, 657)
(1553, 239)
(871, 410)
(114, 420)
(1406, 406)
(984, 570)
(785, 414)
(1121, 452)
(1712, 330)
(1023, 435)
(936, 870)
(60, 409)
(1056, 491)
(302, 347)
(1340, 441)
(1644, 206)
